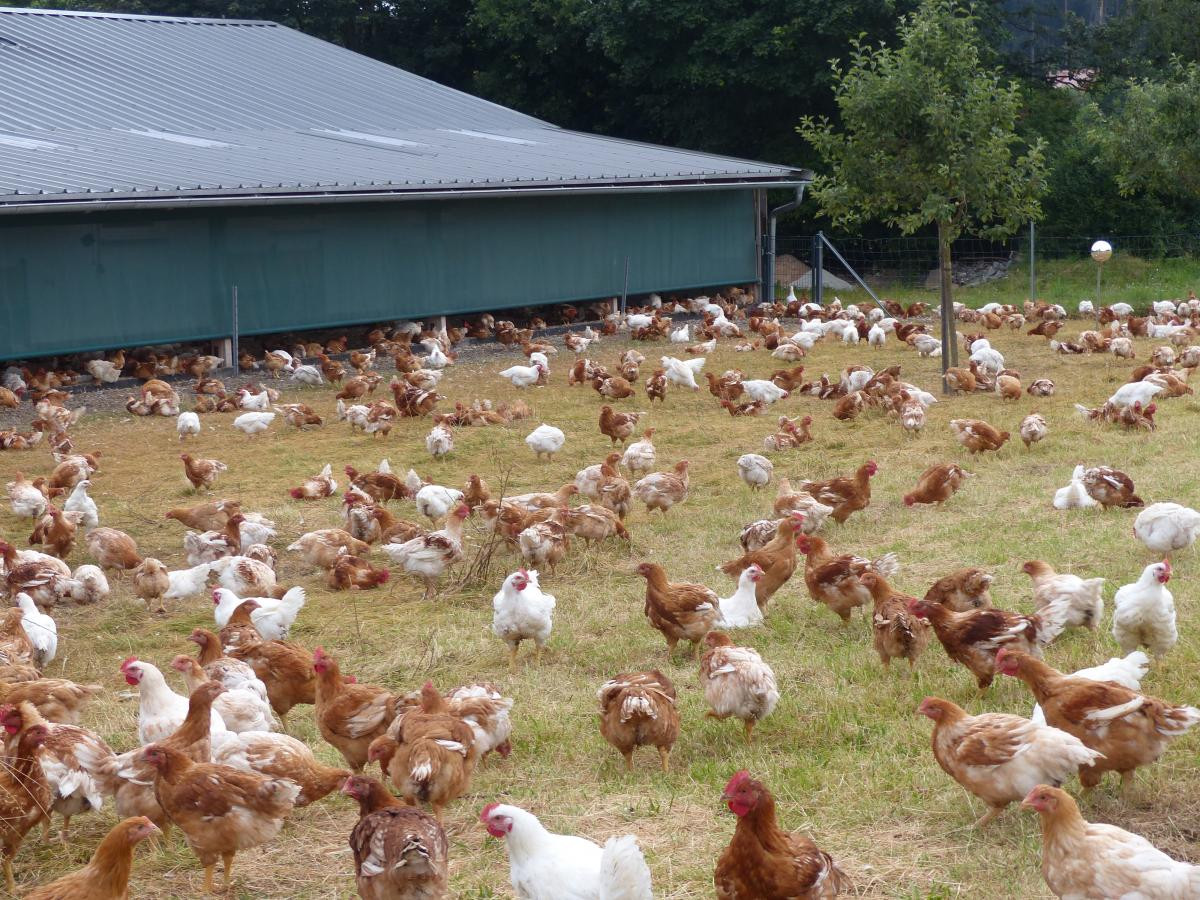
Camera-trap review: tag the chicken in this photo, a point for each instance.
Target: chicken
(1074, 495)
(763, 861)
(521, 610)
(285, 669)
(280, 756)
(57, 699)
(206, 516)
(84, 506)
(898, 634)
(1042, 387)
(1144, 612)
(636, 709)
(321, 549)
(680, 611)
(253, 423)
(242, 706)
(639, 456)
(273, 619)
(835, 581)
(106, 876)
(73, 761)
(545, 439)
(777, 559)
(1127, 671)
(736, 682)
(15, 647)
(219, 809)
(40, 629)
(400, 853)
(430, 555)
(1110, 487)
(1033, 429)
(349, 716)
(428, 752)
(1069, 599)
(1165, 527)
(113, 549)
(937, 484)
(524, 376)
(160, 710)
(681, 373)
(656, 386)
(662, 490)
(440, 441)
(547, 866)
(1000, 758)
(24, 797)
(741, 610)
(1129, 729)
(353, 573)
(977, 436)
(316, 488)
(55, 532)
(1134, 392)
(201, 473)
(27, 497)
(755, 470)
(245, 576)
(845, 495)
(972, 638)
(85, 586)
(789, 500)
(436, 502)
(1085, 860)
(618, 426)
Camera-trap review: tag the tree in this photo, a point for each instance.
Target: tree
(928, 137)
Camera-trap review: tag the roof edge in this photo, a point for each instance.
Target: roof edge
(83, 14)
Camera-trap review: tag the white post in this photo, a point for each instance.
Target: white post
(225, 351)
(441, 326)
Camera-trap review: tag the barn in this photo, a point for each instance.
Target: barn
(152, 168)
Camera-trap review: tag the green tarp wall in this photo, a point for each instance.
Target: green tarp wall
(119, 279)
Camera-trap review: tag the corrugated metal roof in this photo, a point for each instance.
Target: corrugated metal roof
(110, 107)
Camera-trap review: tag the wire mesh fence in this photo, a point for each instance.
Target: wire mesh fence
(911, 263)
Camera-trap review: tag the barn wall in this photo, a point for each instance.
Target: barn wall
(140, 277)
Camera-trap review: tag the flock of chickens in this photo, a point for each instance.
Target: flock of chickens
(217, 762)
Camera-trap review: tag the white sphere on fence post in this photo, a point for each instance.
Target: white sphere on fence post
(1101, 252)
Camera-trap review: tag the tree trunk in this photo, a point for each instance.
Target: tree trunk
(949, 336)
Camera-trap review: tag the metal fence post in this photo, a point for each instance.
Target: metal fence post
(625, 288)
(234, 352)
(817, 272)
(1032, 264)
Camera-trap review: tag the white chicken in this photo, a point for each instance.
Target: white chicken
(435, 502)
(681, 373)
(522, 611)
(244, 576)
(40, 629)
(737, 682)
(1086, 308)
(87, 585)
(742, 610)
(989, 359)
(1134, 392)
(26, 499)
(486, 710)
(545, 439)
(877, 336)
(248, 400)
(1033, 429)
(640, 455)
(242, 708)
(161, 711)
(272, 619)
(187, 423)
(255, 528)
(546, 866)
(765, 391)
(681, 335)
(356, 415)
(524, 376)
(430, 555)
(80, 502)
(1065, 599)
(1074, 495)
(309, 375)
(755, 470)
(927, 345)
(1164, 527)
(1126, 671)
(253, 423)
(440, 441)
(1144, 612)
(103, 371)
(186, 583)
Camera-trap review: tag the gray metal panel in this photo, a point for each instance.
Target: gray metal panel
(79, 86)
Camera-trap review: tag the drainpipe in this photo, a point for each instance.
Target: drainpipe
(768, 287)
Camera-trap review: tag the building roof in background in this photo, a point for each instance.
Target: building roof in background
(112, 109)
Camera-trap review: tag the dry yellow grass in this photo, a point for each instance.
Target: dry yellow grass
(845, 754)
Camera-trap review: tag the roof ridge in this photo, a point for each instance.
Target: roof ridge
(180, 20)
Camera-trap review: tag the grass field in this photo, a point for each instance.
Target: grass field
(845, 754)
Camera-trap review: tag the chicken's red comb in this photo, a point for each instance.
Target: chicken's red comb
(128, 662)
(737, 781)
(319, 653)
(1002, 653)
(486, 812)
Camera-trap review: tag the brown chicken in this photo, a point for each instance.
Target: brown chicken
(382, 486)
(937, 484)
(15, 646)
(972, 638)
(977, 435)
(113, 549)
(24, 797)
(55, 699)
(618, 426)
(962, 590)
(219, 809)
(284, 668)
(205, 517)
(202, 473)
(788, 379)
(845, 495)
(353, 573)
(1130, 729)
(317, 487)
(428, 752)
(960, 380)
(55, 531)
(898, 633)
(614, 387)
(680, 611)
(777, 559)
(239, 630)
(400, 853)
(764, 862)
(106, 876)
(350, 716)
(656, 386)
(476, 491)
(151, 581)
(638, 709)
(836, 581)
(1110, 487)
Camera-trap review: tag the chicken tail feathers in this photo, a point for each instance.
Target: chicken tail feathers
(624, 874)
(887, 565)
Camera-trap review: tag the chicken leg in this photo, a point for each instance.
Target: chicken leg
(989, 815)
(665, 754)
(512, 657)
(227, 860)
(748, 726)
(628, 754)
